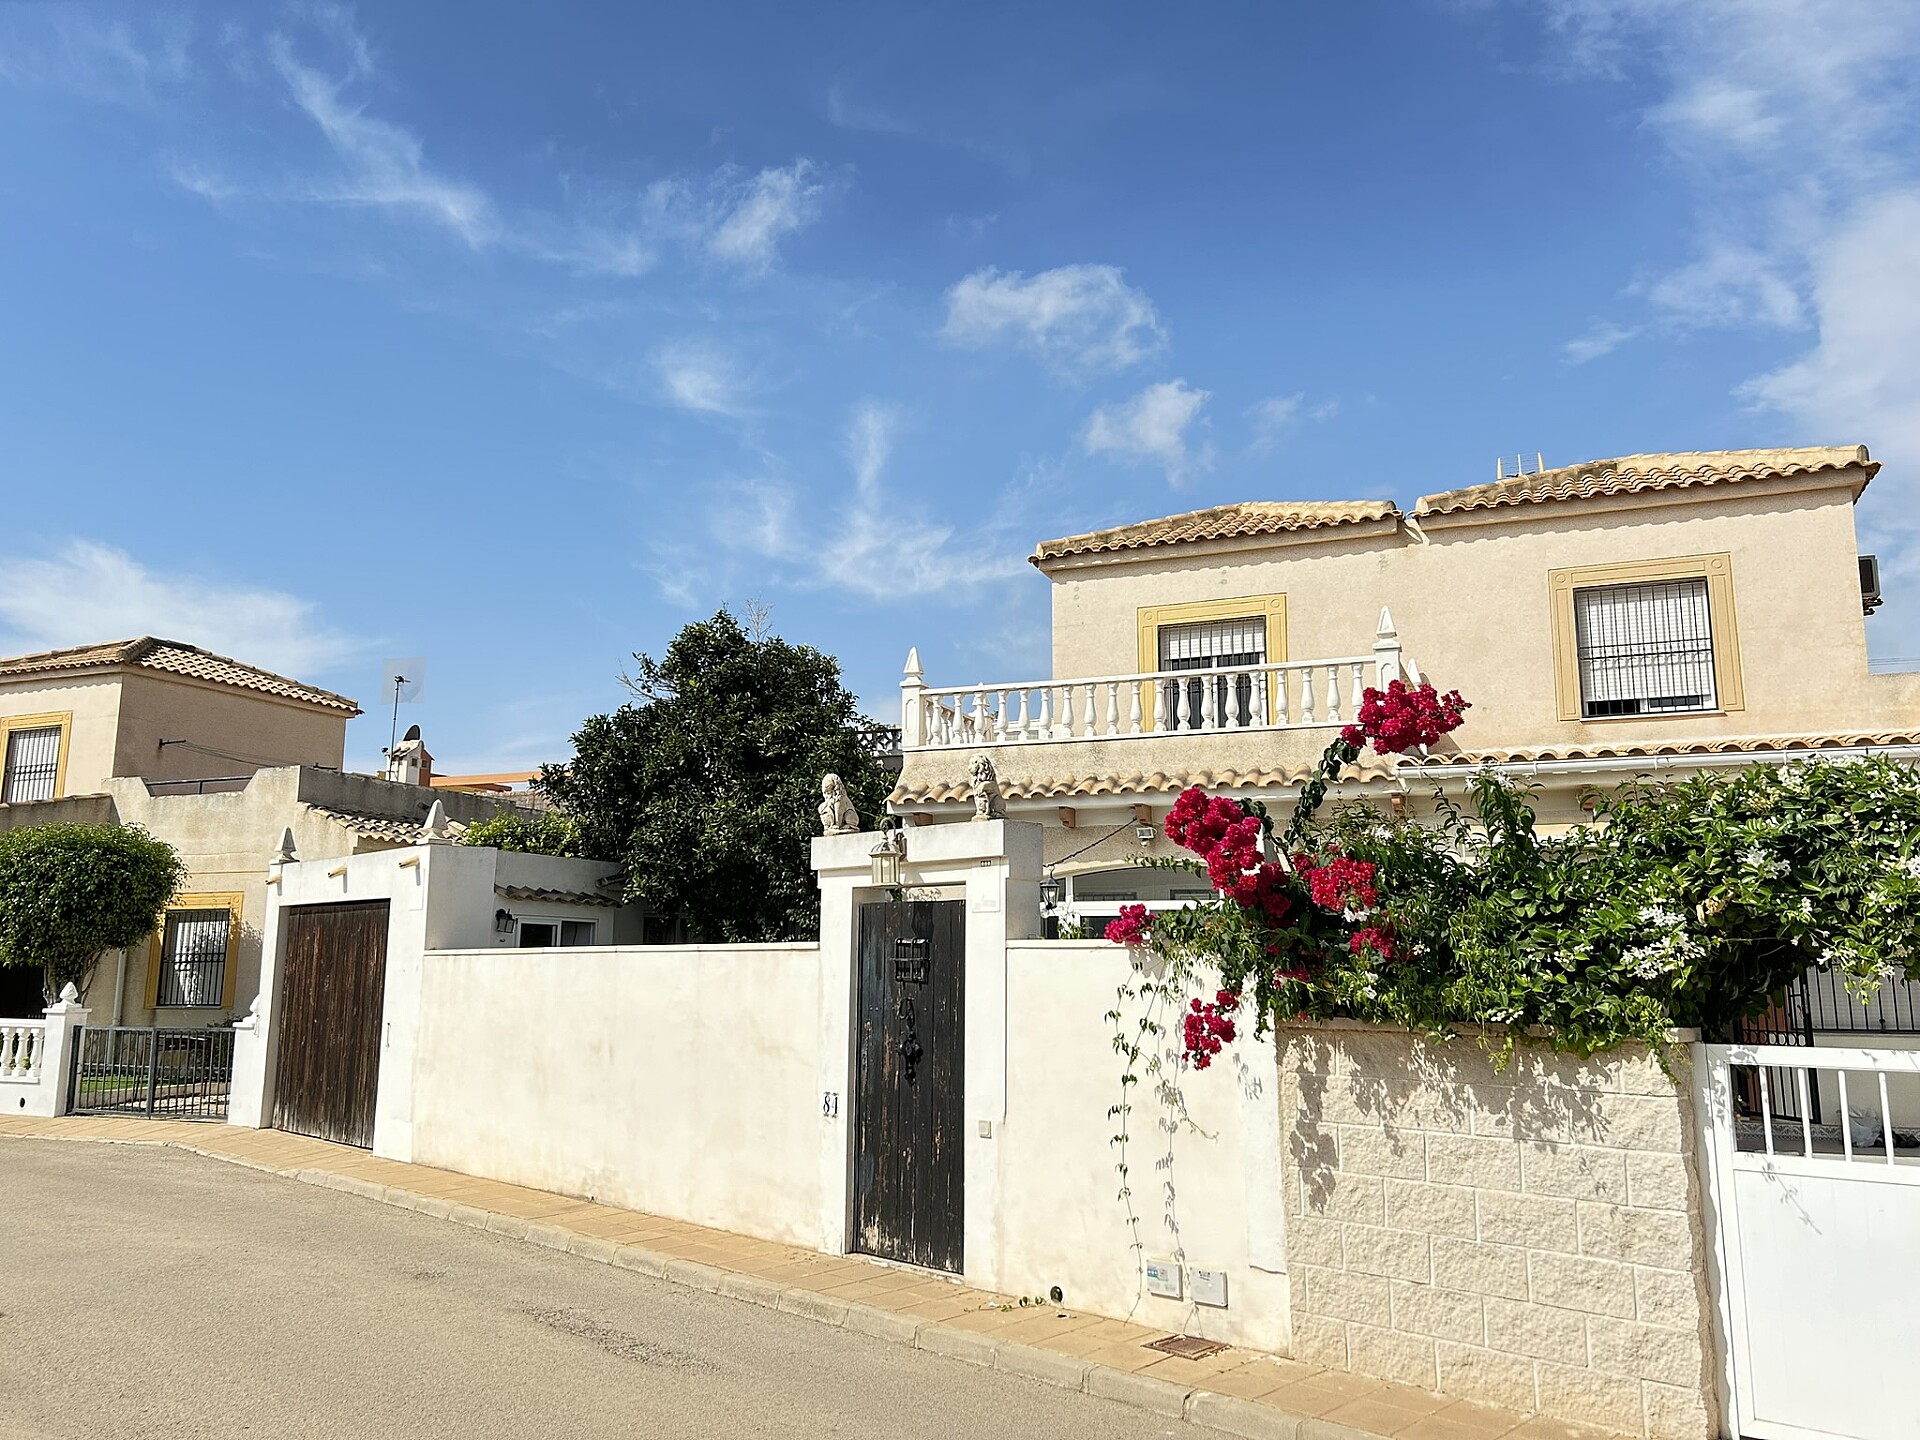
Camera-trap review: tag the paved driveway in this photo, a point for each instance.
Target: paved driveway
(149, 1292)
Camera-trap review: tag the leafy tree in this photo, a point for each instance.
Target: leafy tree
(68, 893)
(707, 786)
(550, 832)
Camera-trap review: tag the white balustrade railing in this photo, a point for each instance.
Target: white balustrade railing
(23, 1045)
(1287, 695)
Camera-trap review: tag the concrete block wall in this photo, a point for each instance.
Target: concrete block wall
(1528, 1237)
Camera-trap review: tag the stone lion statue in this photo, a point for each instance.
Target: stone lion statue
(987, 800)
(837, 815)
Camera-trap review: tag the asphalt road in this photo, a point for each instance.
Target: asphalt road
(150, 1292)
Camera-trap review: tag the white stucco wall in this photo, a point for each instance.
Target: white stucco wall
(669, 1079)
(1218, 1205)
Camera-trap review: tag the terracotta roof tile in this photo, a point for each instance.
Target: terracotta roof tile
(394, 829)
(172, 656)
(1632, 474)
(1222, 522)
(1760, 745)
(531, 895)
(1157, 782)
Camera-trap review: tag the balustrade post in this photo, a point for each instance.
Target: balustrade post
(1113, 707)
(1093, 714)
(1135, 716)
(1306, 694)
(913, 703)
(1333, 694)
(1386, 651)
(1209, 703)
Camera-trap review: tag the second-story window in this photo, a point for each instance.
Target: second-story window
(1219, 701)
(1645, 649)
(32, 765)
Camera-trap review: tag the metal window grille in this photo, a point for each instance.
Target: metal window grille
(1644, 649)
(193, 959)
(1213, 645)
(33, 764)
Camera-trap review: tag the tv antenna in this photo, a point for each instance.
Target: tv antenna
(401, 683)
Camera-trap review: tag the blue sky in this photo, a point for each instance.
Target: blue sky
(516, 337)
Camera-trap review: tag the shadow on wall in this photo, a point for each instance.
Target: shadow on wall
(1451, 1086)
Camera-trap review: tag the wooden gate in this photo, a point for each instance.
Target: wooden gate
(909, 1083)
(332, 987)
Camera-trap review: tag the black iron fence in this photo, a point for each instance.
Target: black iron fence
(1819, 1003)
(169, 1074)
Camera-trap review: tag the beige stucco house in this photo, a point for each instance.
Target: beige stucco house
(219, 759)
(1654, 613)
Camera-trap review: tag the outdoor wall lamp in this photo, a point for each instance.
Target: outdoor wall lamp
(1144, 833)
(503, 922)
(888, 857)
(1051, 893)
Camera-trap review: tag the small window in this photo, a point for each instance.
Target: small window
(1212, 645)
(33, 764)
(576, 932)
(193, 959)
(1644, 649)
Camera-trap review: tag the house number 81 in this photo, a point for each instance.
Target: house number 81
(830, 1104)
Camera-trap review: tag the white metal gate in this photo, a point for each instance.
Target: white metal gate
(1813, 1159)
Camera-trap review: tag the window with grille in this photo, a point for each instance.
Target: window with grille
(1645, 649)
(193, 958)
(33, 764)
(1212, 645)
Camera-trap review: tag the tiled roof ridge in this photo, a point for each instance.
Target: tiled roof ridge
(1219, 522)
(1680, 749)
(177, 657)
(1631, 474)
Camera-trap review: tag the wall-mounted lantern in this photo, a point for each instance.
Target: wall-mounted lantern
(503, 922)
(1051, 893)
(889, 858)
(1143, 827)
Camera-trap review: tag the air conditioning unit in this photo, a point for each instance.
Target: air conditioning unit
(1869, 584)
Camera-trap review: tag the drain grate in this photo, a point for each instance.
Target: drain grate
(1187, 1347)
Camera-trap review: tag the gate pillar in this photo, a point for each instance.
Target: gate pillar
(54, 1094)
(995, 867)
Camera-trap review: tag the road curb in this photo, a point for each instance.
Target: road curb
(1207, 1409)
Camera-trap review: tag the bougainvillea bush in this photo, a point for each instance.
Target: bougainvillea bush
(1686, 904)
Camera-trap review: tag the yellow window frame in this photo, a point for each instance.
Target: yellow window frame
(62, 719)
(234, 903)
(1717, 570)
(1273, 608)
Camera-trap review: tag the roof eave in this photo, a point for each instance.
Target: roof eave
(1324, 533)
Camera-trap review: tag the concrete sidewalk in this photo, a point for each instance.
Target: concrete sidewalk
(1236, 1391)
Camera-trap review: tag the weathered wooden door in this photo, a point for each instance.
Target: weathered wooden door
(332, 986)
(907, 1192)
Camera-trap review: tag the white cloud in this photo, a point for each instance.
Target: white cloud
(766, 209)
(91, 592)
(1797, 123)
(1267, 418)
(1861, 380)
(1151, 428)
(869, 544)
(381, 163)
(700, 377)
(119, 61)
(1602, 337)
(1078, 318)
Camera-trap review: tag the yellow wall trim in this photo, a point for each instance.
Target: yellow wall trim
(1717, 570)
(233, 903)
(1242, 607)
(63, 719)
